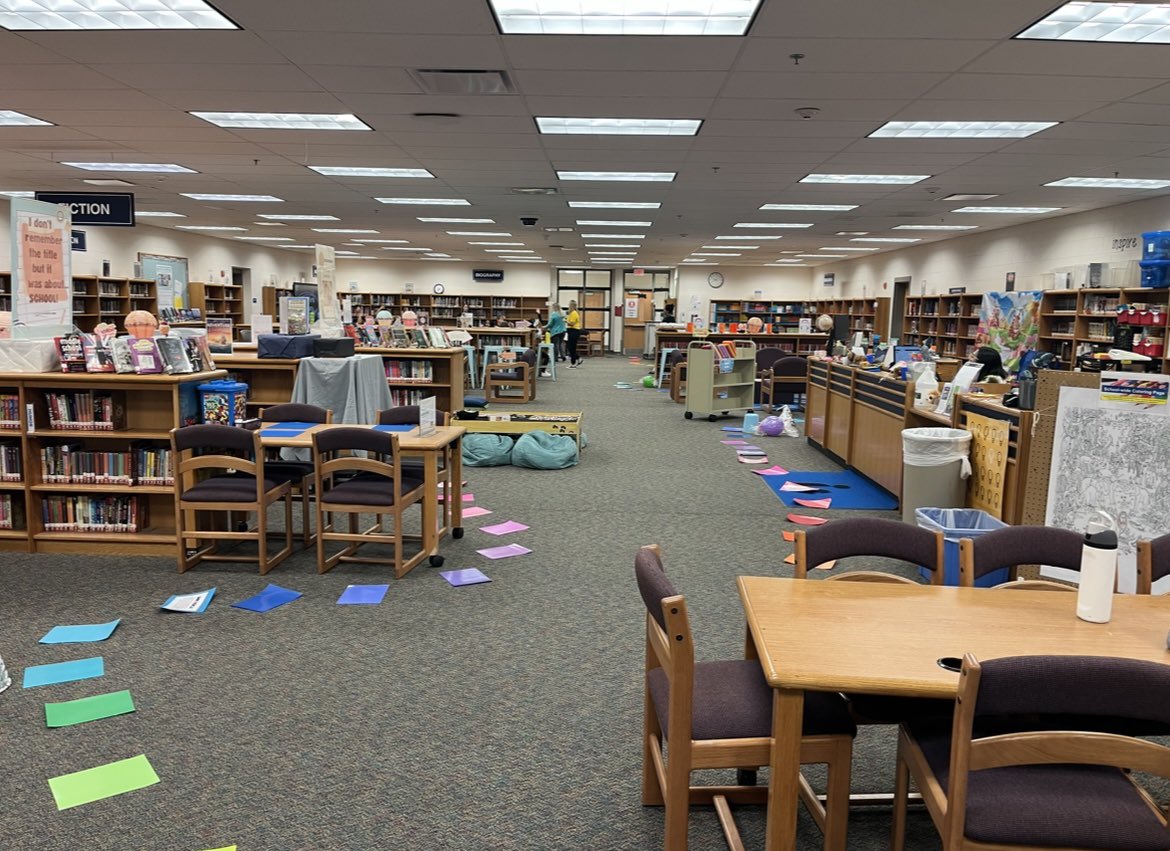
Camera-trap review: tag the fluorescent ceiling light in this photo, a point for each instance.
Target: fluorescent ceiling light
(647, 17)
(615, 205)
(632, 176)
(19, 194)
(739, 247)
(121, 15)
(448, 221)
(213, 196)
(12, 118)
(839, 208)
(399, 248)
(341, 253)
(701, 262)
(209, 227)
(146, 214)
(960, 129)
(749, 236)
(852, 232)
(162, 168)
(821, 256)
(934, 227)
(613, 236)
(1110, 182)
(298, 218)
(474, 232)
(266, 238)
(884, 179)
(777, 262)
(382, 241)
(898, 239)
(619, 126)
(968, 197)
(431, 202)
(343, 230)
(613, 223)
(495, 243)
(612, 245)
(358, 171)
(788, 265)
(844, 248)
(362, 257)
(510, 250)
(283, 121)
(1138, 23)
(1007, 210)
(713, 254)
(523, 260)
(789, 252)
(270, 224)
(100, 181)
(772, 225)
(296, 246)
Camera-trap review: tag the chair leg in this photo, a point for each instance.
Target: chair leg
(323, 525)
(837, 796)
(306, 531)
(901, 792)
(651, 788)
(262, 531)
(678, 813)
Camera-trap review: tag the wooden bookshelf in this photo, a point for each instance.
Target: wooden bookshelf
(948, 322)
(218, 300)
(270, 380)
(867, 315)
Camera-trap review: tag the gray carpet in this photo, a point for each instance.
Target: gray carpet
(500, 716)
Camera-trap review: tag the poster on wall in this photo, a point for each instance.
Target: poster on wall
(1010, 324)
(42, 276)
(170, 277)
(329, 320)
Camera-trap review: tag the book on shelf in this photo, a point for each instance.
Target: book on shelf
(418, 337)
(11, 463)
(9, 411)
(83, 410)
(141, 464)
(399, 338)
(72, 352)
(145, 356)
(173, 351)
(7, 511)
(123, 361)
(294, 315)
(438, 337)
(84, 513)
(421, 371)
(219, 334)
(99, 355)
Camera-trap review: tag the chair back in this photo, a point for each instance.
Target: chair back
(333, 453)
(1153, 563)
(296, 412)
(870, 576)
(668, 644)
(408, 415)
(869, 536)
(1015, 545)
(675, 356)
(791, 366)
(216, 447)
(766, 358)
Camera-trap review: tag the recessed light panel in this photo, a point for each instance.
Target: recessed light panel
(772, 225)
(509, 250)
(431, 202)
(1137, 23)
(495, 243)
(382, 241)
(399, 248)
(161, 168)
(1008, 210)
(839, 208)
(604, 223)
(266, 238)
(449, 221)
(613, 236)
(356, 171)
(146, 214)
(293, 218)
(787, 265)
(473, 232)
(205, 196)
(752, 236)
(630, 176)
(283, 121)
(270, 224)
(615, 205)
(12, 118)
(343, 230)
(119, 15)
(713, 254)
(844, 248)
(604, 17)
(891, 239)
(934, 227)
(852, 232)
(210, 228)
(881, 179)
(968, 197)
(960, 129)
(735, 247)
(19, 194)
(1109, 182)
(612, 245)
(821, 256)
(619, 126)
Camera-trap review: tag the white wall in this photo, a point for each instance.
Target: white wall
(768, 283)
(979, 261)
(379, 276)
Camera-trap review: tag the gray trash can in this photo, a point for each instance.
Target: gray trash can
(935, 469)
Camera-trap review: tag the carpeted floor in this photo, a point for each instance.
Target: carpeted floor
(499, 716)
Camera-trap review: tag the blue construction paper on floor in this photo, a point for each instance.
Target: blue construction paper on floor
(861, 493)
(394, 427)
(363, 595)
(468, 576)
(64, 672)
(268, 599)
(80, 633)
(732, 428)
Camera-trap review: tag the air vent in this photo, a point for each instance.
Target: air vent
(442, 81)
(437, 117)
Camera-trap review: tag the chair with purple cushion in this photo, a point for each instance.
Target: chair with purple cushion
(1016, 545)
(706, 715)
(300, 473)
(353, 485)
(1153, 563)
(989, 781)
(785, 382)
(521, 373)
(243, 483)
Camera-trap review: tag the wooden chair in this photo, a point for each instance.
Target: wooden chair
(1054, 787)
(373, 485)
(1153, 563)
(505, 376)
(300, 473)
(719, 715)
(788, 377)
(676, 366)
(244, 485)
(1016, 545)
(595, 344)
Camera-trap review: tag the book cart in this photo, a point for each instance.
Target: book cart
(721, 378)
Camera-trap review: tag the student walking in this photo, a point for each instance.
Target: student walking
(573, 324)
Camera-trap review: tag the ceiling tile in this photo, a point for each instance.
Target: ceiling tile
(805, 85)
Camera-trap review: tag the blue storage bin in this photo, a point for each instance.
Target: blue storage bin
(1155, 273)
(224, 402)
(1156, 245)
(956, 523)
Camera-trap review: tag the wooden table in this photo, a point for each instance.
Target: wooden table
(445, 441)
(887, 639)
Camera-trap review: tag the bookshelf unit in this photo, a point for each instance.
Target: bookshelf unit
(104, 299)
(5, 291)
(218, 300)
(441, 310)
(868, 315)
(949, 321)
(710, 390)
(414, 374)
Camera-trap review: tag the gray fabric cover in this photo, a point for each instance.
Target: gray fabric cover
(539, 450)
(354, 388)
(487, 450)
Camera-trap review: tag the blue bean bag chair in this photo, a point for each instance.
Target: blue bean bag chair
(539, 450)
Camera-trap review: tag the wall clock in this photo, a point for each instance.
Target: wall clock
(715, 280)
(439, 289)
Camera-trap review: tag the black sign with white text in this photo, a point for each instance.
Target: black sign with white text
(78, 240)
(487, 274)
(99, 209)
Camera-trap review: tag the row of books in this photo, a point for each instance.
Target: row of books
(422, 371)
(11, 467)
(180, 314)
(9, 411)
(402, 396)
(147, 356)
(8, 510)
(726, 349)
(399, 337)
(139, 465)
(84, 410)
(93, 513)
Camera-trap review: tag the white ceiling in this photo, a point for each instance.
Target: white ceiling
(122, 96)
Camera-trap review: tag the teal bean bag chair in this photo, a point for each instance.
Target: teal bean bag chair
(539, 450)
(487, 450)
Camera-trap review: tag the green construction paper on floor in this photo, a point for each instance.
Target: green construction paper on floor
(103, 781)
(225, 848)
(72, 712)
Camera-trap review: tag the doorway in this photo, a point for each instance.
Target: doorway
(898, 308)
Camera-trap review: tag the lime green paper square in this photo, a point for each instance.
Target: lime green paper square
(104, 781)
(88, 709)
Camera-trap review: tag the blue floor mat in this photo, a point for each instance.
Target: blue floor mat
(859, 492)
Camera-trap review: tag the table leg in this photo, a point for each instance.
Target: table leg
(455, 485)
(784, 783)
(430, 508)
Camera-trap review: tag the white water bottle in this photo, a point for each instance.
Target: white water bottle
(926, 388)
(1098, 571)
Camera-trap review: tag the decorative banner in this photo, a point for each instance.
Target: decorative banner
(42, 278)
(1135, 391)
(989, 454)
(1010, 324)
(329, 321)
(170, 277)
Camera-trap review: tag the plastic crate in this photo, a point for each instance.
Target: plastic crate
(1155, 273)
(1156, 245)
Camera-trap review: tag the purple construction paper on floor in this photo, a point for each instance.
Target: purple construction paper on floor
(64, 672)
(475, 511)
(80, 633)
(469, 576)
(747, 448)
(363, 595)
(505, 551)
(467, 497)
(734, 442)
(268, 599)
(503, 528)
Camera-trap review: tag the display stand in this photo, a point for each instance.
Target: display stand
(718, 385)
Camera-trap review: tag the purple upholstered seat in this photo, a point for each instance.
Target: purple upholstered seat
(367, 489)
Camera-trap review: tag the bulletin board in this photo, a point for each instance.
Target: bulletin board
(170, 277)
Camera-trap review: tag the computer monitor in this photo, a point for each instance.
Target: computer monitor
(907, 354)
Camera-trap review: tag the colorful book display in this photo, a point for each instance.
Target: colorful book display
(145, 356)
